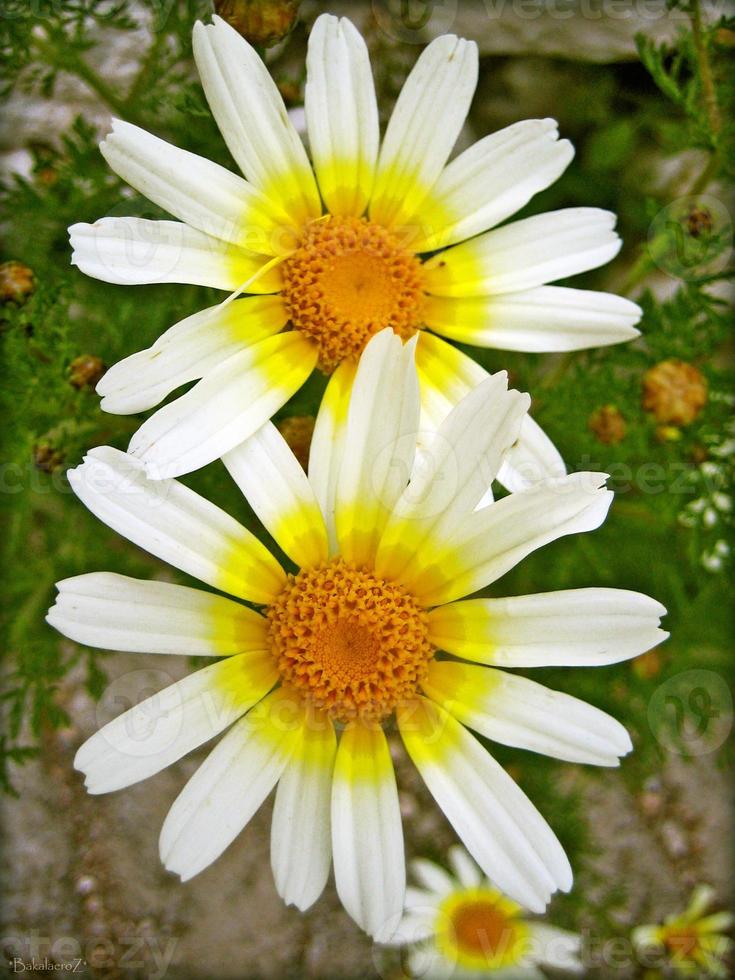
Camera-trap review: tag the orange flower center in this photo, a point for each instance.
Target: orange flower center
(682, 942)
(482, 931)
(348, 279)
(349, 642)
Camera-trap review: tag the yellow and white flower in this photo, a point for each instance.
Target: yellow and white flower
(350, 641)
(692, 943)
(367, 235)
(459, 926)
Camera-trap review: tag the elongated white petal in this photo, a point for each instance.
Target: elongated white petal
(516, 711)
(223, 409)
(447, 375)
(188, 351)
(328, 444)
(495, 820)
(547, 318)
(556, 948)
(422, 130)
(227, 789)
(137, 251)
(577, 627)
(253, 120)
(301, 844)
(164, 727)
(489, 542)
(379, 445)
(493, 179)
(456, 468)
(431, 876)
(467, 872)
(196, 191)
(341, 114)
(367, 837)
(525, 254)
(174, 523)
(531, 459)
(115, 612)
(276, 487)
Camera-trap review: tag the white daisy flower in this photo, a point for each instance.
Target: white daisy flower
(367, 235)
(459, 926)
(350, 641)
(693, 943)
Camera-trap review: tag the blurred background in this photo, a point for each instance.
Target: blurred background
(645, 91)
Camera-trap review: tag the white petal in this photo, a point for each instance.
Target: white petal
(531, 459)
(446, 376)
(253, 120)
(467, 872)
(576, 627)
(163, 728)
(342, 114)
(226, 407)
(188, 351)
(556, 948)
(135, 251)
(196, 191)
(431, 876)
(453, 472)
(367, 837)
(547, 318)
(328, 444)
(227, 789)
(519, 712)
(495, 820)
(493, 179)
(379, 444)
(301, 846)
(493, 540)
(276, 487)
(174, 523)
(525, 254)
(115, 612)
(423, 128)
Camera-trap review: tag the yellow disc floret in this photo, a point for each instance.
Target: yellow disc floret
(348, 279)
(480, 929)
(349, 642)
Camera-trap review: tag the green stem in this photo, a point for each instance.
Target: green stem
(55, 52)
(705, 69)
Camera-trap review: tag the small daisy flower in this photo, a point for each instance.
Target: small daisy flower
(383, 541)
(460, 926)
(693, 943)
(366, 235)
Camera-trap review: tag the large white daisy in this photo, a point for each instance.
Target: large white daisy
(367, 235)
(458, 926)
(352, 640)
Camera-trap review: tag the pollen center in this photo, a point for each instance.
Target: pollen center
(482, 934)
(348, 279)
(349, 642)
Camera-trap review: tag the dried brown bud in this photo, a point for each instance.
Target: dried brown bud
(85, 371)
(46, 458)
(608, 425)
(261, 22)
(674, 392)
(699, 221)
(16, 282)
(297, 431)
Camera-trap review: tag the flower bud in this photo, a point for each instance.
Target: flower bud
(674, 392)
